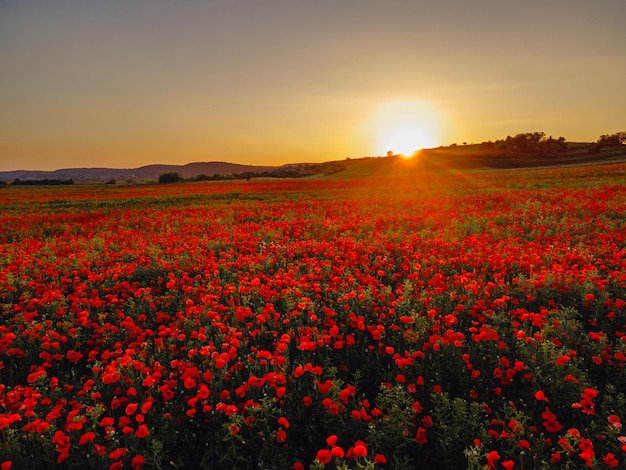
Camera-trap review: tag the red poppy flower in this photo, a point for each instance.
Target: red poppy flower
(118, 453)
(87, 437)
(615, 422)
(147, 406)
(420, 436)
(360, 449)
(492, 458)
(610, 460)
(417, 407)
(550, 421)
(380, 459)
(281, 436)
(338, 452)
(142, 431)
(323, 456)
(107, 421)
(137, 462)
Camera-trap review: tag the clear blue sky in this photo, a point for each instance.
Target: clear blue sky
(128, 83)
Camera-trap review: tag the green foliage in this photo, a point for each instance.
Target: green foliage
(457, 424)
(394, 432)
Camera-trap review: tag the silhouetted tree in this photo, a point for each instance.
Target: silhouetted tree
(534, 143)
(613, 140)
(169, 178)
(43, 182)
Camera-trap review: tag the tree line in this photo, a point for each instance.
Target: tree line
(536, 143)
(43, 182)
(529, 143)
(288, 171)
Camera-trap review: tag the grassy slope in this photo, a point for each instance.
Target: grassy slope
(471, 157)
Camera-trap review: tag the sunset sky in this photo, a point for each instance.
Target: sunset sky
(129, 83)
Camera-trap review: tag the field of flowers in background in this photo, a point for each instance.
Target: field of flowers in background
(446, 321)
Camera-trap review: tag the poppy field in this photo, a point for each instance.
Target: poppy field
(444, 320)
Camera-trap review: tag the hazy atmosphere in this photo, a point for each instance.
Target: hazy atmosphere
(126, 84)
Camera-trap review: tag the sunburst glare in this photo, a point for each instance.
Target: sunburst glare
(405, 126)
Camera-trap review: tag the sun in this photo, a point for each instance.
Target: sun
(404, 127)
(406, 141)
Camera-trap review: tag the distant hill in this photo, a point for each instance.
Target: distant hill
(144, 173)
